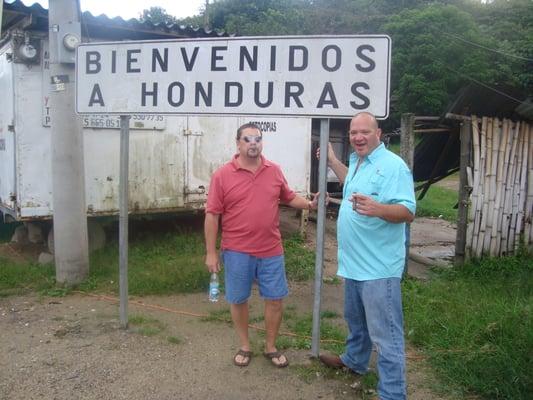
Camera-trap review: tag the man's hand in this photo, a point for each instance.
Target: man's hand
(393, 213)
(333, 162)
(212, 262)
(366, 205)
(331, 154)
(313, 204)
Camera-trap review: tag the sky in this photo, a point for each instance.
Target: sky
(133, 8)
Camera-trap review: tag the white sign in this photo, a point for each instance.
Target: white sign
(147, 122)
(319, 76)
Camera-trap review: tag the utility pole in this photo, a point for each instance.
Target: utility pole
(68, 173)
(206, 15)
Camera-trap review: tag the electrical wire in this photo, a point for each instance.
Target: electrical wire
(486, 48)
(485, 85)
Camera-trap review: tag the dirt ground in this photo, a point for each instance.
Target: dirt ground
(73, 347)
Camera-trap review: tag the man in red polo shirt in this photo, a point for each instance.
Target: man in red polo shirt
(244, 196)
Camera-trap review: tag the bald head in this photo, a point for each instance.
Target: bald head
(369, 116)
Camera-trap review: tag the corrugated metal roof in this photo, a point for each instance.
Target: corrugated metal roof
(101, 26)
(474, 99)
(500, 101)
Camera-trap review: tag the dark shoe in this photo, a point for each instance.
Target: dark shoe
(331, 361)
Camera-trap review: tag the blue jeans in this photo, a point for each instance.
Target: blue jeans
(373, 312)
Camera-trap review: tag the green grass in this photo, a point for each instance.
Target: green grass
(222, 315)
(145, 325)
(438, 203)
(475, 325)
(332, 331)
(299, 260)
(17, 279)
(158, 264)
(174, 340)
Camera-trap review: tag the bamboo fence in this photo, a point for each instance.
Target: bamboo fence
(501, 176)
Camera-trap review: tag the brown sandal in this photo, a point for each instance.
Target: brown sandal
(277, 354)
(247, 355)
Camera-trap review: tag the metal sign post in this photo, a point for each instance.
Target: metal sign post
(123, 219)
(320, 232)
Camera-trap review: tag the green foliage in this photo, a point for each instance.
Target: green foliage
(17, 278)
(157, 264)
(332, 332)
(174, 340)
(299, 260)
(428, 67)
(157, 15)
(475, 325)
(509, 26)
(223, 315)
(145, 325)
(438, 203)
(437, 47)
(172, 263)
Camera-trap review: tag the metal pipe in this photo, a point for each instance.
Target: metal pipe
(320, 232)
(123, 219)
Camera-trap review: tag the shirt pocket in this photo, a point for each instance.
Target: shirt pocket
(377, 183)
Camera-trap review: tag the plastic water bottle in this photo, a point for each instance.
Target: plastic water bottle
(213, 288)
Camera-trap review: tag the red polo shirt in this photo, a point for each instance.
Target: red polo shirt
(249, 204)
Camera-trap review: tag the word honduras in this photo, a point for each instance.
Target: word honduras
(333, 76)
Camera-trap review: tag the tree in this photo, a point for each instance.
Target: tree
(428, 65)
(509, 24)
(157, 15)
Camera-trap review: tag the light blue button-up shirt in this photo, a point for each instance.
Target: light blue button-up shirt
(370, 247)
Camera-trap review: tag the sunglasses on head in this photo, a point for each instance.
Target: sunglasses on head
(249, 139)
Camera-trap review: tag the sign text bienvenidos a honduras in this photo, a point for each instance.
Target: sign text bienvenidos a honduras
(322, 76)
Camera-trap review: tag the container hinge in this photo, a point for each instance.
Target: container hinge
(189, 132)
(198, 190)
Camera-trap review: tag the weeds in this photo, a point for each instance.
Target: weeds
(438, 203)
(174, 340)
(475, 325)
(17, 279)
(146, 326)
(299, 260)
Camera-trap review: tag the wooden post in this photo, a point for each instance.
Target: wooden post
(407, 139)
(407, 150)
(464, 190)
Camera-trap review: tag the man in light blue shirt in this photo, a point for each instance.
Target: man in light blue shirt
(378, 199)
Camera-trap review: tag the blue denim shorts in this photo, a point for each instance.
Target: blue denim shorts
(241, 270)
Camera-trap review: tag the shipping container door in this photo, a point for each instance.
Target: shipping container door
(7, 135)
(155, 164)
(210, 144)
(287, 142)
